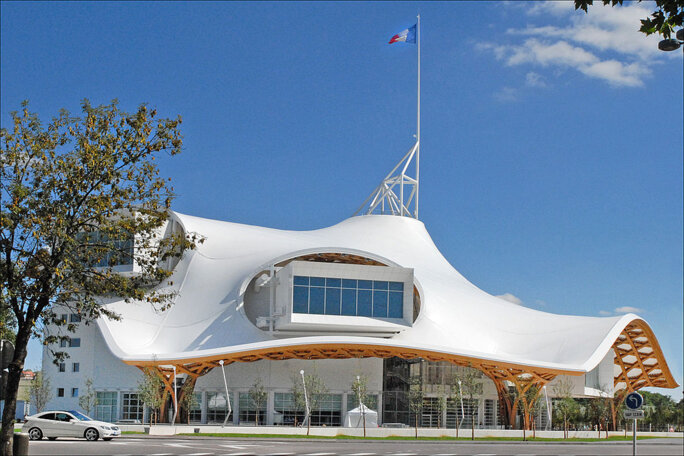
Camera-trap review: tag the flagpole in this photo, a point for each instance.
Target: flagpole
(418, 122)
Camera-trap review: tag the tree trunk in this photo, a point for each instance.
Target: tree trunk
(16, 366)
(416, 425)
(472, 425)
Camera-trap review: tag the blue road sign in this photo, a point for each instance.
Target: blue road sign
(634, 401)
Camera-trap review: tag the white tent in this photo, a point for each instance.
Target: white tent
(355, 417)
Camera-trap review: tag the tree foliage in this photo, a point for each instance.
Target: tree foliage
(74, 191)
(151, 392)
(258, 395)
(360, 389)
(39, 392)
(314, 393)
(668, 15)
(87, 400)
(467, 381)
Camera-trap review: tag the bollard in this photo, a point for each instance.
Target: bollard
(21, 444)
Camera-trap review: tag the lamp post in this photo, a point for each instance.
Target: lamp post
(460, 394)
(175, 397)
(306, 398)
(225, 383)
(672, 44)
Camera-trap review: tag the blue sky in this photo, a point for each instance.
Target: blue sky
(551, 167)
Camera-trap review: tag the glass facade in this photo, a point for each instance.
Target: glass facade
(349, 297)
(328, 411)
(195, 412)
(287, 412)
(217, 408)
(105, 410)
(131, 407)
(248, 410)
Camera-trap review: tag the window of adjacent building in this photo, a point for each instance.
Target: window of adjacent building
(248, 411)
(75, 367)
(287, 411)
(62, 367)
(74, 392)
(74, 318)
(63, 343)
(63, 318)
(350, 297)
(60, 392)
(217, 408)
(131, 407)
(75, 342)
(105, 410)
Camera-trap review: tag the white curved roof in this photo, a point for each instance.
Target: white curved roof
(456, 317)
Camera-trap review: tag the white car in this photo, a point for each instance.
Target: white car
(60, 423)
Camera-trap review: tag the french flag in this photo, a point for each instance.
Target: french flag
(407, 36)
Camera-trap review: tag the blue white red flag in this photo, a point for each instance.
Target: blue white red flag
(407, 36)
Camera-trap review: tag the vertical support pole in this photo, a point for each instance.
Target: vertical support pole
(418, 121)
(225, 383)
(634, 431)
(175, 397)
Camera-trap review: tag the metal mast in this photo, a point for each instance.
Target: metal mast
(390, 197)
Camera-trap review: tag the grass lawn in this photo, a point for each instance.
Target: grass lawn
(465, 439)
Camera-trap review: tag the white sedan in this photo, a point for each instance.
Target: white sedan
(59, 423)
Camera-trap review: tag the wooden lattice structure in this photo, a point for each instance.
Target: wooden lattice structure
(638, 355)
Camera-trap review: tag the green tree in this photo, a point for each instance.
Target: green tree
(187, 399)
(360, 389)
(258, 396)
(565, 404)
(314, 393)
(151, 393)
(467, 381)
(668, 15)
(416, 397)
(88, 400)
(39, 391)
(76, 193)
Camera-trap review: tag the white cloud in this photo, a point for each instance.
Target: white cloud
(604, 44)
(511, 298)
(628, 309)
(507, 95)
(604, 313)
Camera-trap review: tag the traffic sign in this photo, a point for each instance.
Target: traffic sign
(634, 401)
(634, 414)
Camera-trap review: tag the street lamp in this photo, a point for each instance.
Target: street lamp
(672, 44)
(175, 397)
(225, 383)
(460, 393)
(306, 398)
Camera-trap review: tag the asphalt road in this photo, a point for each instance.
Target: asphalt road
(201, 446)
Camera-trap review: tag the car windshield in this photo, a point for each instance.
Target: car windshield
(79, 415)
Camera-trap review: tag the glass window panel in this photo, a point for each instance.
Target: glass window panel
(364, 303)
(301, 280)
(366, 284)
(379, 285)
(396, 304)
(300, 300)
(330, 282)
(380, 304)
(348, 302)
(348, 283)
(332, 301)
(396, 286)
(75, 342)
(317, 281)
(316, 300)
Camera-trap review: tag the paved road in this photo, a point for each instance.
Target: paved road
(205, 446)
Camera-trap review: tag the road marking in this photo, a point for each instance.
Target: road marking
(318, 454)
(360, 454)
(198, 454)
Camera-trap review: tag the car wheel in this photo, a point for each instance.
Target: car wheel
(52, 438)
(91, 434)
(35, 434)
(106, 439)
